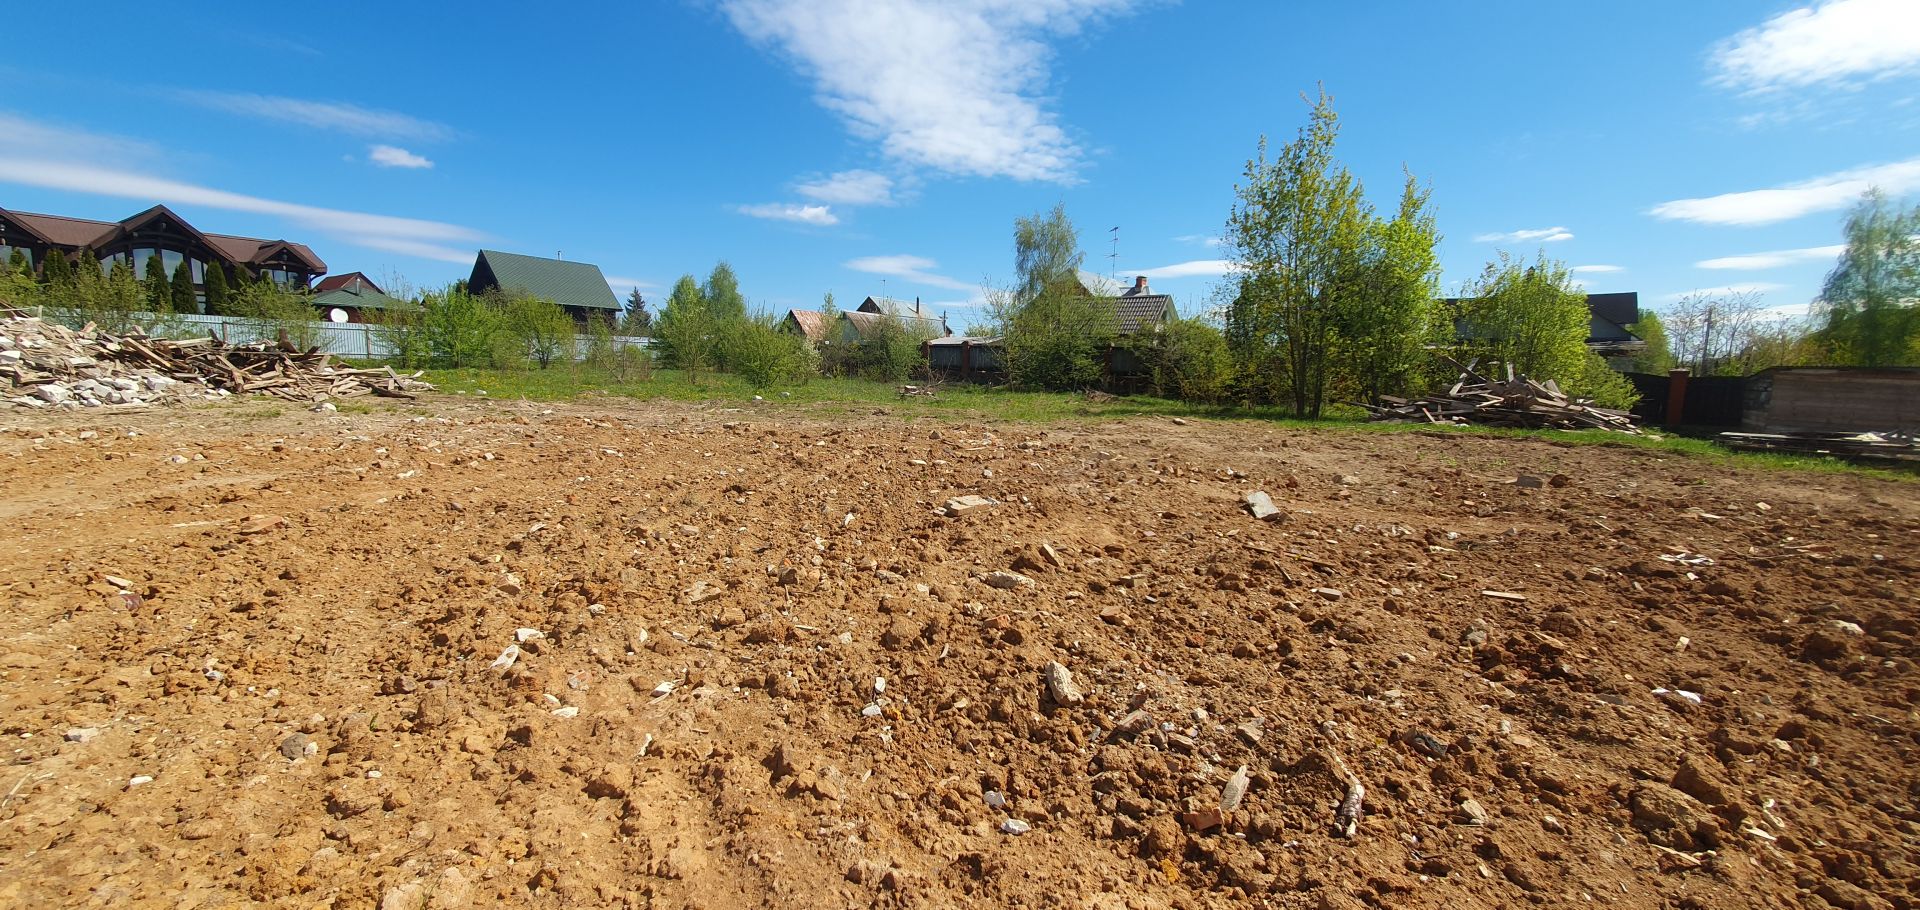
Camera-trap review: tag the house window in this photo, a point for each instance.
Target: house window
(199, 271)
(140, 257)
(171, 260)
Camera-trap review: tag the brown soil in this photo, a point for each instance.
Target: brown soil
(353, 577)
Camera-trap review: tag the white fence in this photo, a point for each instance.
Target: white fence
(349, 339)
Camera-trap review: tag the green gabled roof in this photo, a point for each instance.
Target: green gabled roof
(569, 284)
(363, 299)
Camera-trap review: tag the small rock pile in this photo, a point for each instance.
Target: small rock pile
(49, 366)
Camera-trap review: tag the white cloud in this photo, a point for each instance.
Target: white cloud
(1834, 41)
(786, 211)
(23, 137)
(622, 281)
(394, 156)
(1775, 259)
(916, 269)
(1728, 290)
(1196, 268)
(1201, 239)
(1820, 194)
(955, 86)
(1543, 235)
(1594, 269)
(855, 187)
(407, 236)
(337, 116)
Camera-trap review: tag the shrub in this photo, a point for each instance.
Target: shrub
(764, 356)
(461, 329)
(544, 330)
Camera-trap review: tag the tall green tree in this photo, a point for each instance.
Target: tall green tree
(1056, 334)
(1296, 234)
(183, 297)
(636, 320)
(1657, 356)
(1386, 316)
(19, 263)
(57, 270)
(1871, 299)
(722, 294)
(159, 289)
(686, 331)
(219, 293)
(1531, 317)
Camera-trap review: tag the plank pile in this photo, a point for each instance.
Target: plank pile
(47, 365)
(1515, 401)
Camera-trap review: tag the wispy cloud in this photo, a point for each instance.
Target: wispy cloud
(1543, 235)
(1832, 41)
(1195, 268)
(335, 116)
(1201, 239)
(1820, 194)
(956, 86)
(1594, 269)
(394, 156)
(857, 187)
(818, 215)
(622, 285)
(1727, 290)
(20, 136)
(407, 236)
(917, 269)
(1775, 259)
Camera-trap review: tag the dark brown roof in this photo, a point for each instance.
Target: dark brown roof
(336, 282)
(85, 232)
(63, 230)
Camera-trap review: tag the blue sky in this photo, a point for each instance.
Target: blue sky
(885, 146)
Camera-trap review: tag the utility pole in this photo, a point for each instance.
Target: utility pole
(1113, 258)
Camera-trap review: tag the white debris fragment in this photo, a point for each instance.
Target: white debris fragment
(1060, 684)
(1235, 790)
(568, 711)
(1015, 827)
(524, 635)
(505, 661)
(664, 689)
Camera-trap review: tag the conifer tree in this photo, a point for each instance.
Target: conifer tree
(19, 263)
(57, 270)
(218, 295)
(159, 289)
(182, 289)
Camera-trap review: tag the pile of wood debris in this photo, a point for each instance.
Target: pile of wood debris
(47, 365)
(1515, 401)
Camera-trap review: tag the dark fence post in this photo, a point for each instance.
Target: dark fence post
(1676, 397)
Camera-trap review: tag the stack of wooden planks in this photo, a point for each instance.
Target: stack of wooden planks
(274, 368)
(1515, 401)
(45, 364)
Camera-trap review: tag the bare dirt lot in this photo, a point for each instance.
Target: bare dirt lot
(260, 658)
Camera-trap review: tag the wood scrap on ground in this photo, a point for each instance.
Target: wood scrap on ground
(1516, 401)
(47, 365)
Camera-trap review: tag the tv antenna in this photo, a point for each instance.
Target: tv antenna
(1113, 258)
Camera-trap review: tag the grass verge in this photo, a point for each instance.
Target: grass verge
(971, 402)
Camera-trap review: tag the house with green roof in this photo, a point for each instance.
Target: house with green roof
(578, 287)
(351, 298)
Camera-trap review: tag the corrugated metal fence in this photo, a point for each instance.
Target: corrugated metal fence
(346, 339)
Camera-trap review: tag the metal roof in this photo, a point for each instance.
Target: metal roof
(569, 284)
(1133, 312)
(923, 326)
(348, 298)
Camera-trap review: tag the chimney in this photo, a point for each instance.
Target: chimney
(1140, 284)
(916, 306)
